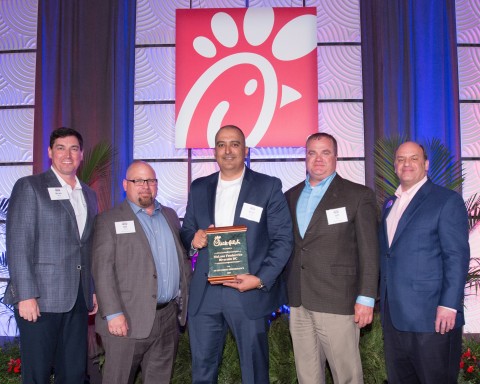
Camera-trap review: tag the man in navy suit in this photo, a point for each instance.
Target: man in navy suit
(49, 239)
(424, 263)
(236, 196)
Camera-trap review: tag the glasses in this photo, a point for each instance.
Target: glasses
(141, 182)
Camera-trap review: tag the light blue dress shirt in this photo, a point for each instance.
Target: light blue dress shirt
(162, 245)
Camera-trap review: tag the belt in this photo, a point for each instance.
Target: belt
(162, 305)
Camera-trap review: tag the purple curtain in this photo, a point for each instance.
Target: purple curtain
(85, 77)
(410, 73)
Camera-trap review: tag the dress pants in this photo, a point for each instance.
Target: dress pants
(55, 340)
(318, 337)
(421, 358)
(155, 354)
(221, 309)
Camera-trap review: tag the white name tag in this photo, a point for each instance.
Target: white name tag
(58, 193)
(251, 212)
(337, 215)
(124, 227)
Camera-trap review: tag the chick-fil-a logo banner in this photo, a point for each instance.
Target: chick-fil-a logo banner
(251, 67)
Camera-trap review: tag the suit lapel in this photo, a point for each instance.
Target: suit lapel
(130, 215)
(52, 182)
(386, 211)
(242, 196)
(211, 194)
(412, 208)
(329, 201)
(91, 210)
(296, 192)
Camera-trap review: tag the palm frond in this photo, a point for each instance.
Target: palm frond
(4, 208)
(96, 163)
(473, 208)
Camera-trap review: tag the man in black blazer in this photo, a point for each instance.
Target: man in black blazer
(49, 241)
(236, 196)
(332, 276)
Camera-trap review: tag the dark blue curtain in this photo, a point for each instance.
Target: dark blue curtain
(85, 78)
(410, 72)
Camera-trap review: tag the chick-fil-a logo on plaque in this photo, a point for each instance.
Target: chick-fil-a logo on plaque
(251, 67)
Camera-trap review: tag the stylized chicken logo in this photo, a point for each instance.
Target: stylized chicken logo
(225, 76)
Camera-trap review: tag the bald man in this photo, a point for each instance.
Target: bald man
(141, 274)
(424, 255)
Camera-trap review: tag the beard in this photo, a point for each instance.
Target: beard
(145, 201)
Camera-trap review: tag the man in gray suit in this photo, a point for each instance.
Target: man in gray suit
(332, 276)
(49, 236)
(141, 274)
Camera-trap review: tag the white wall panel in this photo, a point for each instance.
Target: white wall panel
(17, 78)
(277, 152)
(352, 170)
(345, 122)
(9, 174)
(290, 172)
(154, 134)
(18, 24)
(16, 135)
(154, 74)
(203, 169)
(218, 3)
(172, 185)
(155, 23)
(469, 72)
(339, 72)
(468, 21)
(471, 185)
(338, 21)
(470, 129)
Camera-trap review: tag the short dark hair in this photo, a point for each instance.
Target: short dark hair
(64, 132)
(229, 126)
(324, 135)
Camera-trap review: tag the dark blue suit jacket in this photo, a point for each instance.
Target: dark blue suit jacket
(427, 262)
(269, 242)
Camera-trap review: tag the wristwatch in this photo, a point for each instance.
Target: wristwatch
(260, 285)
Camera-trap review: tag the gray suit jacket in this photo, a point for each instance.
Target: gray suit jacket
(46, 256)
(124, 271)
(335, 263)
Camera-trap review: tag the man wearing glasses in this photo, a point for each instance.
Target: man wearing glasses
(141, 274)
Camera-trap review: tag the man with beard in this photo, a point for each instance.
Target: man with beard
(141, 274)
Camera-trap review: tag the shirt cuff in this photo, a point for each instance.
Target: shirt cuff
(364, 300)
(112, 316)
(450, 309)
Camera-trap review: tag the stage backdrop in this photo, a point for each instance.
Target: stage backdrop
(342, 87)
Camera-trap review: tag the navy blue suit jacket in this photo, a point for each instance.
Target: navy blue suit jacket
(269, 241)
(427, 262)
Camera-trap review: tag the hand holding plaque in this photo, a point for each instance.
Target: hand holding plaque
(227, 253)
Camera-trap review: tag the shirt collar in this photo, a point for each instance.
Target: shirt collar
(63, 183)
(136, 208)
(411, 191)
(328, 179)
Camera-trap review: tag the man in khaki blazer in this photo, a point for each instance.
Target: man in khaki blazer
(332, 276)
(141, 274)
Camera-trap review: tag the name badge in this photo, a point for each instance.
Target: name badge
(58, 193)
(124, 227)
(251, 212)
(337, 215)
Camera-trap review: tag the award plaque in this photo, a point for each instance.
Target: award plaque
(227, 253)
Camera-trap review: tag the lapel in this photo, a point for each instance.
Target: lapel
(128, 214)
(211, 194)
(51, 181)
(244, 192)
(329, 201)
(91, 209)
(295, 195)
(411, 210)
(385, 212)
